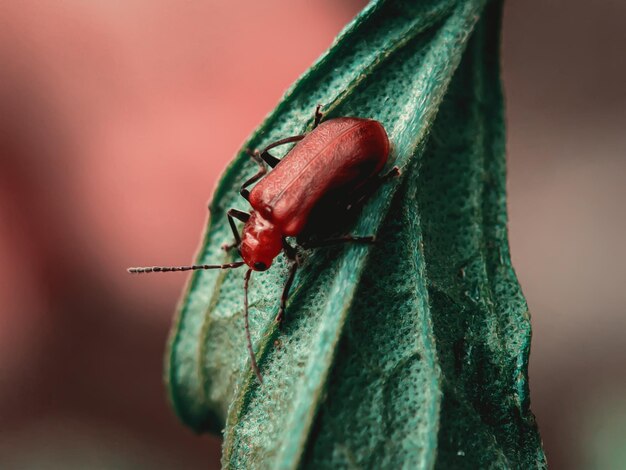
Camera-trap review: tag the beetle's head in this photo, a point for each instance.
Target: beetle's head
(261, 242)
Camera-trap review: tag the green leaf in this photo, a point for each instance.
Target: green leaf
(411, 353)
(479, 315)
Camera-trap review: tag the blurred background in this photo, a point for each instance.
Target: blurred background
(116, 119)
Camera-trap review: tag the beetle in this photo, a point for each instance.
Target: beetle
(337, 163)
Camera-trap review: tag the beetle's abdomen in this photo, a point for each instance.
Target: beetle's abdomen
(339, 153)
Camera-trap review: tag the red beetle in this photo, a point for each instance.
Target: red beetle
(339, 160)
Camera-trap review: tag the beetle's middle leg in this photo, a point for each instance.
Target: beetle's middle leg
(259, 174)
(307, 244)
(261, 158)
(368, 190)
(232, 215)
(270, 159)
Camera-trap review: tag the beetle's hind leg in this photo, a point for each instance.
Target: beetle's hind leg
(318, 116)
(232, 215)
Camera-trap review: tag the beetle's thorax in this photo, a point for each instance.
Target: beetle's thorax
(261, 242)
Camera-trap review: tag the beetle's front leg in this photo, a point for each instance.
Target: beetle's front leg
(232, 215)
(292, 254)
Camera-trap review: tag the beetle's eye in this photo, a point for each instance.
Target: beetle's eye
(259, 266)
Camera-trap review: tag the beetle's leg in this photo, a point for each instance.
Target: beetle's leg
(395, 171)
(285, 295)
(366, 191)
(259, 174)
(290, 251)
(246, 324)
(232, 215)
(318, 116)
(336, 241)
(291, 254)
(270, 159)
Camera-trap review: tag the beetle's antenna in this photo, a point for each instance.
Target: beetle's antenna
(193, 267)
(253, 363)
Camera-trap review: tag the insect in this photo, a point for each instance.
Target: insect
(336, 164)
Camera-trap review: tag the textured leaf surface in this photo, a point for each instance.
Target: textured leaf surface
(411, 353)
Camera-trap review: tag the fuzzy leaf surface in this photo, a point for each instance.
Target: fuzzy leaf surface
(411, 353)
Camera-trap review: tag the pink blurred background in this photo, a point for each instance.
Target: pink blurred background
(116, 119)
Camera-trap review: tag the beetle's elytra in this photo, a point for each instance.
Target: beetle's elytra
(341, 153)
(340, 157)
